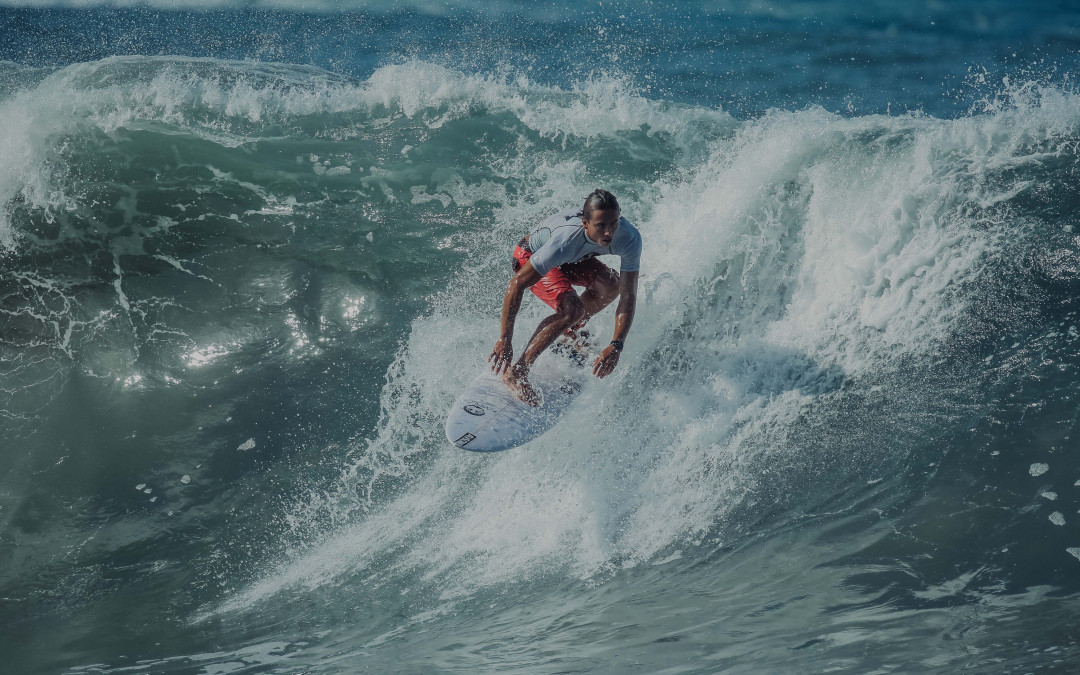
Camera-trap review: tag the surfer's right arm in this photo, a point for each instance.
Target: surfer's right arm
(502, 355)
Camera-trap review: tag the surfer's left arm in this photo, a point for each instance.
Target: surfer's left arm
(624, 317)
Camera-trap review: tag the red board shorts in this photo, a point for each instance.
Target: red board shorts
(563, 278)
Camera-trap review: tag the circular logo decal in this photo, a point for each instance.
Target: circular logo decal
(474, 409)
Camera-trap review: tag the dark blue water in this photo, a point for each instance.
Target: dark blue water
(250, 255)
(745, 56)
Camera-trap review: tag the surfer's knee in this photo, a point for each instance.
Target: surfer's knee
(571, 310)
(606, 285)
(610, 284)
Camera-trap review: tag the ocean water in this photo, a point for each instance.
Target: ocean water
(250, 252)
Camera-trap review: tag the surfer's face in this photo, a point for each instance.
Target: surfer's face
(602, 226)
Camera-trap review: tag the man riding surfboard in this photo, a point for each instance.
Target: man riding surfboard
(557, 255)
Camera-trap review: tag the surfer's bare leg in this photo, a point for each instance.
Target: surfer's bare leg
(571, 310)
(601, 293)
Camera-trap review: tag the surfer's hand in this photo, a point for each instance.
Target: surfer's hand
(502, 356)
(606, 362)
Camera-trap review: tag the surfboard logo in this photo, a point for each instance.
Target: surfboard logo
(474, 409)
(464, 440)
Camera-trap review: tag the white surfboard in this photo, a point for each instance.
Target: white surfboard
(489, 417)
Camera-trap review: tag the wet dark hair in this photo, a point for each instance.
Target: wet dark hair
(599, 200)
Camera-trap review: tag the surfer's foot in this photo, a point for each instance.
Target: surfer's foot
(577, 331)
(518, 380)
(574, 342)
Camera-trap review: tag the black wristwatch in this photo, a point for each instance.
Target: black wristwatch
(617, 344)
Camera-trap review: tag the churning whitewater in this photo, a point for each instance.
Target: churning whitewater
(239, 296)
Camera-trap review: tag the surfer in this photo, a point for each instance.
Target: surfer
(557, 255)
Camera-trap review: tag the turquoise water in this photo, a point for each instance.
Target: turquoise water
(251, 254)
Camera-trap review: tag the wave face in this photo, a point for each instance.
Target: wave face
(238, 298)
